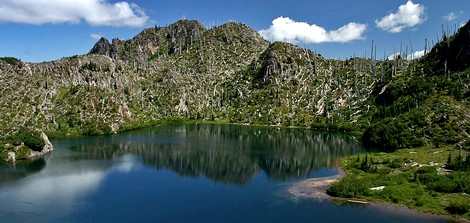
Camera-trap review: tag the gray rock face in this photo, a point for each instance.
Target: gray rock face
(46, 149)
(103, 47)
(11, 157)
(48, 145)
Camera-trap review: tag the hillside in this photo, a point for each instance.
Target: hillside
(428, 103)
(231, 74)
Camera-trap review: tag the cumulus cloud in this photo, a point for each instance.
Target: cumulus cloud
(94, 12)
(413, 56)
(407, 16)
(288, 30)
(416, 55)
(452, 16)
(393, 56)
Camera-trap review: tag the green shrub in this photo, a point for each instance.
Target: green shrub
(23, 153)
(384, 170)
(404, 193)
(349, 187)
(12, 61)
(456, 182)
(30, 138)
(427, 178)
(396, 163)
(443, 184)
(421, 201)
(458, 207)
(90, 129)
(107, 130)
(426, 175)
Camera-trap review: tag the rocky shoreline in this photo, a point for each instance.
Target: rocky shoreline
(12, 155)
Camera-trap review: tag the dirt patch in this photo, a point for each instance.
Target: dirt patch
(315, 187)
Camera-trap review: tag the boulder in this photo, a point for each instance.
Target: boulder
(47, 146)
(11, 157)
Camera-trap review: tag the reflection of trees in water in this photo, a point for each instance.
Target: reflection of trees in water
(229, 153)
(11, 172)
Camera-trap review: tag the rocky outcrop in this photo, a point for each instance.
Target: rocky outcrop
(19, 145)
(11, 157)
(156, 42)
(48, 147)
(183, 33)
(103, 47)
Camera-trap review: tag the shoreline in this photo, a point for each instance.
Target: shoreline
(315, 188)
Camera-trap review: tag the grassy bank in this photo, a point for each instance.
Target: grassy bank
(434, 180)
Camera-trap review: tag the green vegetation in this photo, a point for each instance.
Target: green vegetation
(30, 138)
(230, 74)
(186, 73)
(428, 103)
(427, 179)
(13, 61)
(21, 142)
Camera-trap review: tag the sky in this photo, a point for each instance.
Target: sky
(45, 30)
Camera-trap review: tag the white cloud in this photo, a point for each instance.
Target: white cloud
(128, 164)
(94, 12)
(452, 16)
(416, 55)
(61, 189)
(407, 16)
(96, 36)
(288, 30)
(393, 56)
(62, 185)
(413, 56)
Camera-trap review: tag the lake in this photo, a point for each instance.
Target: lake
(187, 173)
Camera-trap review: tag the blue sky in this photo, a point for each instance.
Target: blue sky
(44, 30)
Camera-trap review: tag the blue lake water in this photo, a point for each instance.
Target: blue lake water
(188, 173)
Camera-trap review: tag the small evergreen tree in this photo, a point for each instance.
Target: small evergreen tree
(449, 160)
(467, 162)
(365, 163)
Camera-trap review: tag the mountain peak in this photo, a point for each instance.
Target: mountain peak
(156, 41)
(103, 47)
(238, 33)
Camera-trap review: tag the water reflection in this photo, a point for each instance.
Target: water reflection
(12, 172)
(54, 192)
(226, 153)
